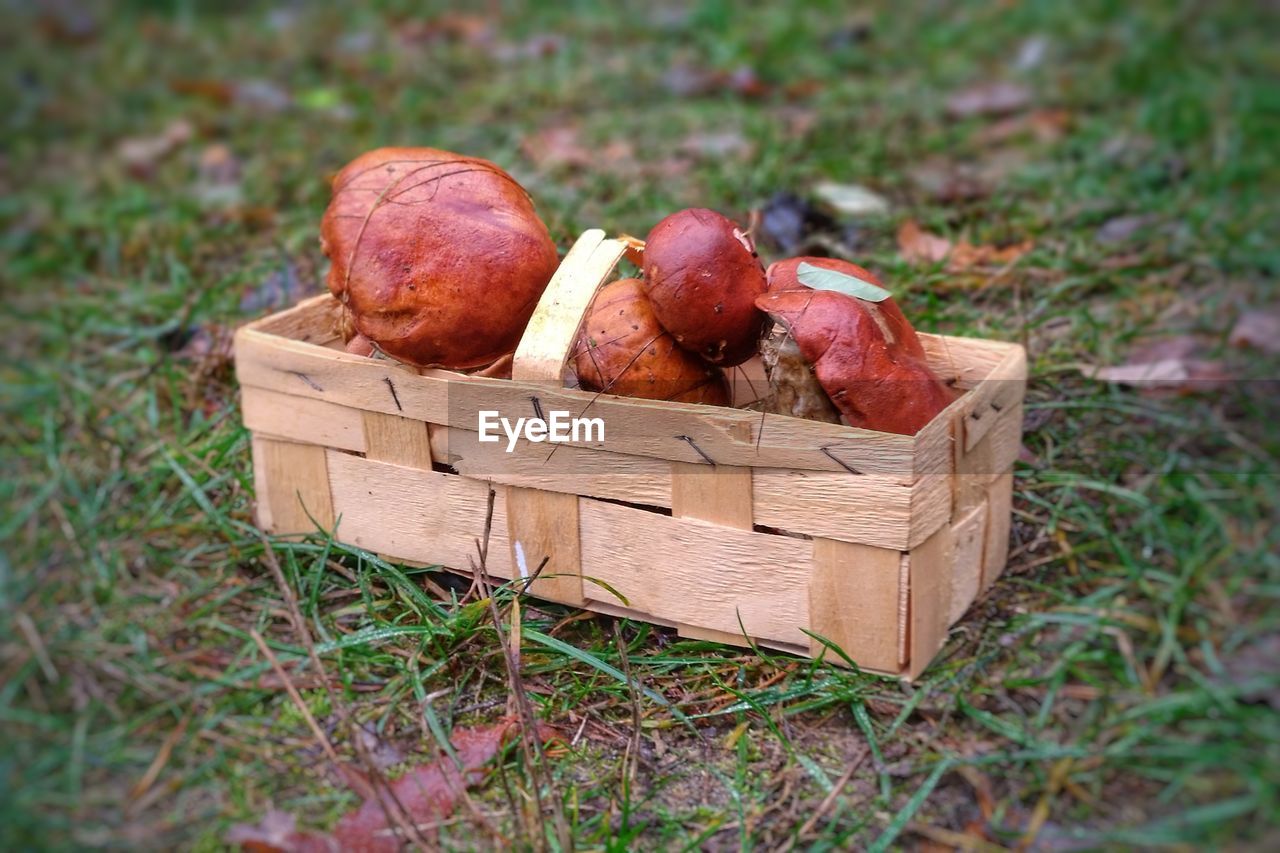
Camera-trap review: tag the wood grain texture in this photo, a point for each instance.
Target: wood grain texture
(544, 525)
(970, 533)
(302, 420)
(965, 361)
(853, 602)
(553, 329)
(633, 426)
(292, 485)
(570, 469)
(1002, 389)
(397, 439)
(929, 567)
(990, 458)
(412, 514)
(697, 573)
(316, 320)
(693, 632)
(870, 509)
(720, 494)
(931, 507)
(995, 550)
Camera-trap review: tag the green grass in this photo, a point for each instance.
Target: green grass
(1118, 686)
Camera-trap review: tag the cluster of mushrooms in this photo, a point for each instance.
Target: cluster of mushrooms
(439, 261)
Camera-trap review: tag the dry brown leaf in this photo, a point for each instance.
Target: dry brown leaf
(1164, 365)
(142, 154)
(991, 98)
(1047, 125)
(556, 147)
(919, 246)
(966, 256)
(475, 30)
(1258, 329)
(426, 794)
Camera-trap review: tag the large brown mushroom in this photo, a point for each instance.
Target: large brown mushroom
(438, 258)
(702, 275)
(622, 350)
(874, 379)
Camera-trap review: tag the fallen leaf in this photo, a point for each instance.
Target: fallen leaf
(1031, 53)
(218, 165)
(1252, 670)
(990, 98)
(475, 30)
(142, 154)
(717, 145)
(1161, 365)
(556, 147)
(797, 119)
(537, 46)
(852, 199)
(1258, 329)
(948, 181)
(919, 246)
(424, 794)
(277, 831)
(820, 278)
(1047, 125)
(1121, 228)
(687, 80)
(67, 21)
(966, 256)
(260, 95)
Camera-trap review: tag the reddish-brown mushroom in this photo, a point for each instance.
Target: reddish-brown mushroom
(439, 258)
(873, 380)
(622, 350)
(785, 275)
(702, 275)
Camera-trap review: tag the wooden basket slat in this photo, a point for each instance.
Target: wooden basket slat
(698, 573)
(545, 525)
(969, 535)
(929, 572)
(302, 419)
(853, 601)
(412, 514)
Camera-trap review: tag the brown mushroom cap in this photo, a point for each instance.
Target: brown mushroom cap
(702, 276)
(439, 258)
(622, 350)
(784, 275)
(874, 382)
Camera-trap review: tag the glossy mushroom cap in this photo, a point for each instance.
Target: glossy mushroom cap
(874, 380)
(702, 275)
(440, 259)
(622, 350)
(784, 275)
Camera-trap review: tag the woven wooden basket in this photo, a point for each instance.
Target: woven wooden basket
(804, 535)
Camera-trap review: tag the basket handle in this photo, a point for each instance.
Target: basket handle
(549, 338)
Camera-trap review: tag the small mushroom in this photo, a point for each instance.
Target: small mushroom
(875, 380)
(622, 350)
(702, 275)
